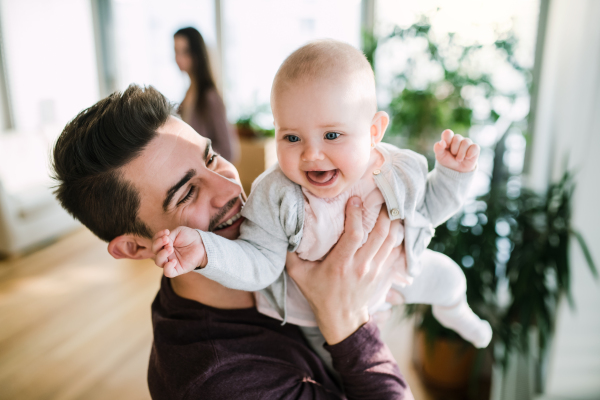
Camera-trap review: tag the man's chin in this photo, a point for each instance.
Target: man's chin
(231, 232)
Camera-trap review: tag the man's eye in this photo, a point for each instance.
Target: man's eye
(332, 135)
(211, 159)
(187, 196)
(292, 138)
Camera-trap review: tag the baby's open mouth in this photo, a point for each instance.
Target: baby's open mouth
(322, 178)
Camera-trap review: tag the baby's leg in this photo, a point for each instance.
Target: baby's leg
(443, 285)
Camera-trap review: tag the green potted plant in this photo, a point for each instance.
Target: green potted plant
(511, 242)
(247, 125)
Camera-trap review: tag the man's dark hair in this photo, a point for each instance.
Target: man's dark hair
(90, 152)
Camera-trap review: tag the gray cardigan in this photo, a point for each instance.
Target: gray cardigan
(274, 221)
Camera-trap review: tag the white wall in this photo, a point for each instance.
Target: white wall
(568, 125)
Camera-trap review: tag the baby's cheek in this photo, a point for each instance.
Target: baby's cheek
(290, 169)
(354, 164)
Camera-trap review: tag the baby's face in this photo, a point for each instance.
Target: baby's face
(323, 136)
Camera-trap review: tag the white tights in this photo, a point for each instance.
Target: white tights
(443, 285)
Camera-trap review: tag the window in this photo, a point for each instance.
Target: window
(260, 34)
(479, 53)
(143, 32)
(50, 61)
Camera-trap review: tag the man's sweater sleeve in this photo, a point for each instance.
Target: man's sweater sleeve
(366, 366)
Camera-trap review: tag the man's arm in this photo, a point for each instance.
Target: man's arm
(367, 368)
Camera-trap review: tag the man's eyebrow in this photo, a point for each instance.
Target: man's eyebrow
(171, 192)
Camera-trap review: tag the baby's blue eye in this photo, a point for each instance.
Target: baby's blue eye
(332, 135)
(293, 138)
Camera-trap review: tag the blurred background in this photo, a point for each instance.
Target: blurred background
(520, 78)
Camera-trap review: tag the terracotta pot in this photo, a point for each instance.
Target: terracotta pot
(445, 365)
(257, 154)
(245, 131)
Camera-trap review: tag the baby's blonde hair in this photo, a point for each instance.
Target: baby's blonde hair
(327, 59)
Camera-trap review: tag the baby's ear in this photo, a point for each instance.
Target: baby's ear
(379, 124)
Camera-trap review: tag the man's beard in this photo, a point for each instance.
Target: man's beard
(214, 221)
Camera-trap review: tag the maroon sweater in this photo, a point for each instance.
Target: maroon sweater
(201, 352)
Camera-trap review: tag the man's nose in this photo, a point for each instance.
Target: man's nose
(223, 188)
(312, 152)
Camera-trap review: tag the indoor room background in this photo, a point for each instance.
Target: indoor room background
(520, 78)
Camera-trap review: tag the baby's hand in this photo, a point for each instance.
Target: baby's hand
(178, 252)
(456, 152)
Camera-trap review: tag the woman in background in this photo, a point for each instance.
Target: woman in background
(202, 108)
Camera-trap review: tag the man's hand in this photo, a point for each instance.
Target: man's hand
(456, 152)
(179, 251)
(340, 287)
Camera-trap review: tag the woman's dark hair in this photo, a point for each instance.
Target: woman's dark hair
(200, 73)
(90, 152)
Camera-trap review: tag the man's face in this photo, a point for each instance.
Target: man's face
(182, 181)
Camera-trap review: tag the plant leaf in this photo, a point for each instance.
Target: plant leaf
(586, 252)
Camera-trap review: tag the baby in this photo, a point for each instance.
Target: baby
(328, 134)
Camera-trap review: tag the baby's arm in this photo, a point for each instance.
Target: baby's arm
(448, 183)
(241, 264)
(250, 263)
(273, 215)
(179, 251)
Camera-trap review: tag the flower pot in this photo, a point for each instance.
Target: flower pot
(445, 364)
(257, 154)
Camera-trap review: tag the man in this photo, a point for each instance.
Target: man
(127, 169)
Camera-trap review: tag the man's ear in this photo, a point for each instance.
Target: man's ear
(379, 124)
(130, 246)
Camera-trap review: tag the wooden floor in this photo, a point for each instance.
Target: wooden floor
(75, 324)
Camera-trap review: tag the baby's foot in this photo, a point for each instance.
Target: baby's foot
(461, 319)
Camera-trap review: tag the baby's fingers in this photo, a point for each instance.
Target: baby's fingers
(455, 144)
(170, 269)
(440, 147)
(472, 152)
(164, 232)
(162, 257)
(447, 136)
(462, 150)
(163, 241)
